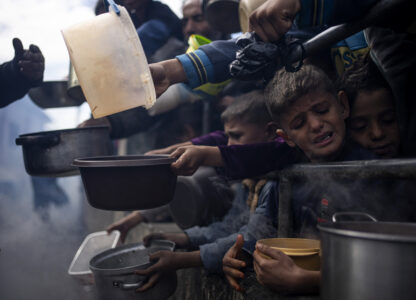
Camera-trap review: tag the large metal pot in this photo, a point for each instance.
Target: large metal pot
(51, 94)
(115, 278)
(50, 153)
(366, 260)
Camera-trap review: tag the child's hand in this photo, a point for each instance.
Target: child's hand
(165, 262)
(168, 150)
(231, 266)
(180, 239)
(280, 273)
(190, 158)
(125, 224)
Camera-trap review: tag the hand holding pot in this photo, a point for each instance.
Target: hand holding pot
(180, 239)
(168, 150)
(190, 158)
(280, 273)
(165, 262)
(232, 266)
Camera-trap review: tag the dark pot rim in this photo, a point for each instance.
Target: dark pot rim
(123, 161)
(372, 230)
(69, 130)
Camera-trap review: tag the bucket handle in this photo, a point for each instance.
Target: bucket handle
(352, 213)
(128, 286)
(113, 6)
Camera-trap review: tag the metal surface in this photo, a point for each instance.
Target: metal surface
(51, 153)
(222, 15)
(74, 90)
(123, 186)
(385, 168)
(115, 278)
(384, 9)
(366, 260)
(53, 94)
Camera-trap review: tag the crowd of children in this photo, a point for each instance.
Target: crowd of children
(307, 116)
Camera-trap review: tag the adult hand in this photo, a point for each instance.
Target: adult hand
(231, 265)
(165, 262)
(125, 224)
(280, 273)
(166, 73)
(273, 19)
(181, 240)
(31, 63)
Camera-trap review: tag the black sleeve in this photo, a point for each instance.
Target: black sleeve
(13, 85)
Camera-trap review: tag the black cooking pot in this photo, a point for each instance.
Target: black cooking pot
(368, 260)
(115, 278)
(128, 182)
(51, 153)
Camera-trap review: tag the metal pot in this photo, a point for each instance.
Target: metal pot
(52, 94)
(115, 278)
(128, 182)
(73, 88)
(50, 153)
(366, 260)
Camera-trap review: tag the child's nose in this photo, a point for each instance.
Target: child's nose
(315, 123)
(376, 132)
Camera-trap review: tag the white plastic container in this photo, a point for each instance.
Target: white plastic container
(93, 244)
(110, 63)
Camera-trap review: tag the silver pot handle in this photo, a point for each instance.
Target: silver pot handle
(352, 213)
(128, 286)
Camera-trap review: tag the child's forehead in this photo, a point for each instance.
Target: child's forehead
(310, 99)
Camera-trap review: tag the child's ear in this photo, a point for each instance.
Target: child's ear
(343, 100)
(271, 129)
(282, 134)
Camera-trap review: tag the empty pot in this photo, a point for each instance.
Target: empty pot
(129, 182)
(51, 153)
(115, 278)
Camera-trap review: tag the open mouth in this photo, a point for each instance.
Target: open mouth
(324, 138)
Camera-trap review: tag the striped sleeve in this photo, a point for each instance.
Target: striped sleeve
(198, 68)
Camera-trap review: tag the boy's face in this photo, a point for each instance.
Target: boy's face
(315, 123)
(373, 123)
(240, 132)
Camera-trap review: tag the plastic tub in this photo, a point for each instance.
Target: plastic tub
(110, 63)
(93, 244)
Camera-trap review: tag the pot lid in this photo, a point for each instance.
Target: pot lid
(124, 161)
(385, 231)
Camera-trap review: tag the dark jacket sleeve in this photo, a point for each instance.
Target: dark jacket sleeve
(13, 85)
(215, 138)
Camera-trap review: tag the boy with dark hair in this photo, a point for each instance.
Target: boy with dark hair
(311, 118)
(253, 212)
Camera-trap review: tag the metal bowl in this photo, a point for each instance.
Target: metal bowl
(127, 182)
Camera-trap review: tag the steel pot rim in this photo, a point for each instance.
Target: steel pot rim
(333, 228)
(123, 161)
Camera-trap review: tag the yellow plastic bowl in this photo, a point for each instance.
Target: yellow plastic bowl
(304, 252)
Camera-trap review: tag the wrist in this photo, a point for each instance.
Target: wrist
(212, 156)
(307, 281)
(174, 71)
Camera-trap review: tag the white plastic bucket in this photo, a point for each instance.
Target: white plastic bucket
(110, 63)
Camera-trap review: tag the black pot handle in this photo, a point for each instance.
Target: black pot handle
(352, 214)
(47, 140)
